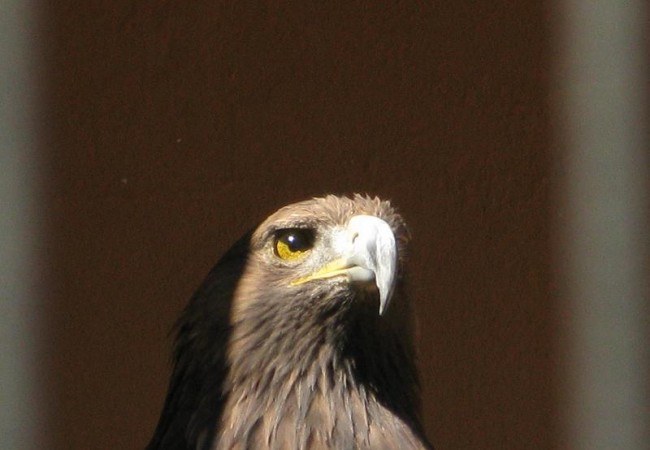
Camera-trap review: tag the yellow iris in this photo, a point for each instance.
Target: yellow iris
(293, 244)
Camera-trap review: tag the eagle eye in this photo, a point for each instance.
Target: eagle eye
(294, 243)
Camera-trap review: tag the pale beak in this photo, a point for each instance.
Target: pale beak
(369, 254)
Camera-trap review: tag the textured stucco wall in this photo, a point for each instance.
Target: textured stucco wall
(174, 126)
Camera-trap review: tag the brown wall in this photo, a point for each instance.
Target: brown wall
(176, 125)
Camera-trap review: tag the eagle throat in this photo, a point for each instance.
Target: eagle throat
(315, 371)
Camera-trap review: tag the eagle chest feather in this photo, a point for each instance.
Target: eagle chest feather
(318, 420)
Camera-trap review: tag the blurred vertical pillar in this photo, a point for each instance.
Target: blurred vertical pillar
(19, 417)
(604, 89)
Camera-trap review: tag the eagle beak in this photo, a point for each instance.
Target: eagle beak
(369, 254)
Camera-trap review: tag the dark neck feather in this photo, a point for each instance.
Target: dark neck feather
(196, 397)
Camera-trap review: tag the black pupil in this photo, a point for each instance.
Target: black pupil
(297, 240)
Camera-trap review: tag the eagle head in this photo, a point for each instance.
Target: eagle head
(324, 255)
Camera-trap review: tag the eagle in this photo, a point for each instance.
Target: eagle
(290, 342)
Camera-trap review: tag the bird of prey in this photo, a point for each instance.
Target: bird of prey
(294, 339)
